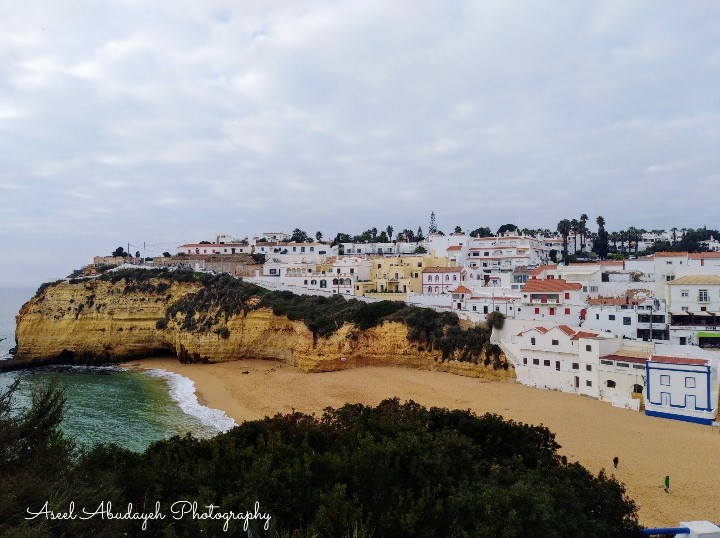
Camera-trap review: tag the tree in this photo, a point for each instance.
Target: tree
(119, 252)
(601, 242)
(564, 227)
(419, 236)
(406, 235)
(341, 238)
(389, 231)
(433, 225)
(318, 236)
(506, 228)
(495, 320)
(458, 230)
(137, 253)
(481, 232)
(383, 238)
(575, 229)
(583, 230)
(299, 236)
(420, 250)
(166, 254)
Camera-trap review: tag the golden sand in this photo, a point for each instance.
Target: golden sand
(590, 432)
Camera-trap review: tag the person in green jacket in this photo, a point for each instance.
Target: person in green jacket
(667, 484)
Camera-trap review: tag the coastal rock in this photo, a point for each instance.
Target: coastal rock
(96, 321)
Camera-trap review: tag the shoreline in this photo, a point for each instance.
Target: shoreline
(589, 431)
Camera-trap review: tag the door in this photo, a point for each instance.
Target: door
(690, 401)
(577, 382)
(665, 399)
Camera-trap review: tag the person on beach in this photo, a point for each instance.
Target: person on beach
(667, 484)
(616, 460)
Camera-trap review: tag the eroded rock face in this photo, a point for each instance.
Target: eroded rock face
(98, 321)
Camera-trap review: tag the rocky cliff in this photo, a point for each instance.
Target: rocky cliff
(94, 320)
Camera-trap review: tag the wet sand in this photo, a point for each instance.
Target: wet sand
(590, 432)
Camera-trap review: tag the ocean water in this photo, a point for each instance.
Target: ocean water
(131, 408)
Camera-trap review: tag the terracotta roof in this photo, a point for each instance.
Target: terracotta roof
(443, 269)
(540, 268)
(670, 254)
(567, 330)
(704, 255)
(461, 289)
(623, 358)
(541, 330)
(553, 284)
(583, 334)
(455, 247)
(678, 360)
(695, 279)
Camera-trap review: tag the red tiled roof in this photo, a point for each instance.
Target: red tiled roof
(608, 301)
(553, 284)
(443, 269)
(567, 330)
(539, 270)
(455, 247)
(637, 360)
(461, 289)
(583, 334)
(541, 330)
(670, 254)
(704, 255)
(678, 360)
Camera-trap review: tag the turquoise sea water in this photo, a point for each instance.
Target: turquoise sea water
(109, 404)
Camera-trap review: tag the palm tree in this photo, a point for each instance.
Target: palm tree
(575, 228)
(390, 231)
(564, 227)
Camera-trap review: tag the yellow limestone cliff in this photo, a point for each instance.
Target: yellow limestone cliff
(98, 321)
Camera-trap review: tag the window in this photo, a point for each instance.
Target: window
(323, 283)
(567, 311)
(684, 293)
(474, 308)
(627, 320)
(305, 282)
(575, 366)
(668, 278)
(639, 366)
(623, 365)
(546, 363)
(429, 289)
(313, 282)
(302, 249)
(665, 380)
(294, 249)
(552, 311)
(611, 317)
(312, 249)
(608, 363)
(525, 361)
(588, 347)
(610, 384)
(588, 383)
(597, 316)
(690, 382)
(703, 296)
(557, 365)
(588, 367)
(556, 342)
(567, 295)
(668, 263)
(532, 341)
(684, 308)
(537, 310)
(536, 362)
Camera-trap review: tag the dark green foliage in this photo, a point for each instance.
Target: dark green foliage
(223, 332)
(161, 324)
(46, 285)
(495, 320)
(38, 465)
(400, 469)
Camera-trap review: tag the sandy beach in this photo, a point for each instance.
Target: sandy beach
(590, 432)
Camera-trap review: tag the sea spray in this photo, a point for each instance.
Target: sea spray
(182, 391)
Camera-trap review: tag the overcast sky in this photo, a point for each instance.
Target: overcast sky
(172, 121)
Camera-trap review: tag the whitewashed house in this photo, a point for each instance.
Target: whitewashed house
(682, 388)
(439, 280)
(694, 308)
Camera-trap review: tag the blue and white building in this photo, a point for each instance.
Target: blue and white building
(682, 388)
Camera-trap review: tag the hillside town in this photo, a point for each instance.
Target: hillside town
(632, 325)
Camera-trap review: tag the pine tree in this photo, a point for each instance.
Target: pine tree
(433, 225)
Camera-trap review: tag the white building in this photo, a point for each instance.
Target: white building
(553, 300)
(441, 279)
(505, 253)
(395, 248)
(682, 388)
(694, 308)
(208, 249)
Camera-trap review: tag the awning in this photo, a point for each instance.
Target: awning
(702, 314)
(704, 334)
(676, 313)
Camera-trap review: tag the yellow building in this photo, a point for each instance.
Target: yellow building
(394, 277)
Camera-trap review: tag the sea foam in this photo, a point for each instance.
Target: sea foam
(182, 391)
